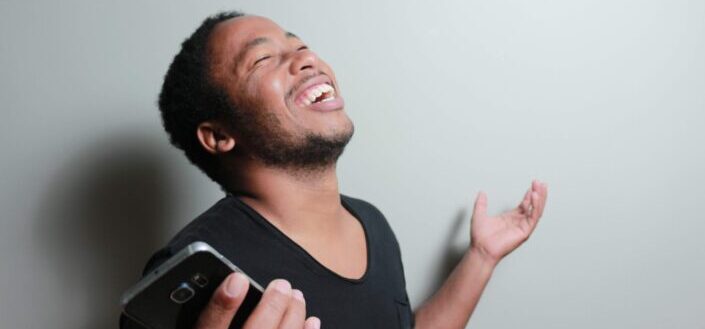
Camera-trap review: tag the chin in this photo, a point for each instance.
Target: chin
(346, 131)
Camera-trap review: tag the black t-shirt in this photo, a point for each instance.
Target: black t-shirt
(377, 300)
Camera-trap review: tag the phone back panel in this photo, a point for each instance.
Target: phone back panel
(176, 298)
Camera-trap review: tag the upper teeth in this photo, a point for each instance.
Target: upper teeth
(314, 92)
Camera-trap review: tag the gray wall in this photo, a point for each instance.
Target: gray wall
(602, 99)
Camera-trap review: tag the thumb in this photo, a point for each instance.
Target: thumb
(480, 205)
(225, 301)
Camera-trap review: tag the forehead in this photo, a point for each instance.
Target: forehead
(231, 38)
(232, 35)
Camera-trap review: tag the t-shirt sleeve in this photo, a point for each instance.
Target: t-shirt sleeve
(193, 232)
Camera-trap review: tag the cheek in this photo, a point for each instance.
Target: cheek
(267, 89)
(276, 88)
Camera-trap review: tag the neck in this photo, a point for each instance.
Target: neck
(296, 202)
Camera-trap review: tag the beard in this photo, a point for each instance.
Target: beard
(262, 137)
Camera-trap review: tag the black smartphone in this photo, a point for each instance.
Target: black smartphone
(174, 294)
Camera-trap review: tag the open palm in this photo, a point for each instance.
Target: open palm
(497, 236)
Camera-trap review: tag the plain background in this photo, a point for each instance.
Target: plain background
(603, 99)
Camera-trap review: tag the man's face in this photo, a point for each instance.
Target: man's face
(292, 108)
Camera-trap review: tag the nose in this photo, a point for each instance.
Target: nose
(303, 60)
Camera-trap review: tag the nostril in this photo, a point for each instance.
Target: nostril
(305, 67)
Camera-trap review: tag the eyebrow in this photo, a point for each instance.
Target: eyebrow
(258, 41)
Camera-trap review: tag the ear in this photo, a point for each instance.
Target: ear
(214, 138)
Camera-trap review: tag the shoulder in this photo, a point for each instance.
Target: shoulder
(226, 215)
(371, 216)
(366, 210)
(360, 204)
(225, 212)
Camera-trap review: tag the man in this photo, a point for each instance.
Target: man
(263, 116)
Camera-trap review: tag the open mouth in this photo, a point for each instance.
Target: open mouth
(318, 93)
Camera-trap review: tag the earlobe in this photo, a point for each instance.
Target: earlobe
(214, 139)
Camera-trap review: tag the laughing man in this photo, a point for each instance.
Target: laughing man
(262, 115)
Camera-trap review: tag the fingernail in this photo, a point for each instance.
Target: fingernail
(316, 322)
(234, 286)
(298, 295)
(282, 286)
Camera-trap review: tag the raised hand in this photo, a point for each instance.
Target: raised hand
(496, 236)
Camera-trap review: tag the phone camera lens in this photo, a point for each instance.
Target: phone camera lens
(182, 293)
(200, 280)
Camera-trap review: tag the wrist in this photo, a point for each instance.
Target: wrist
(481, 258)
(455, 301)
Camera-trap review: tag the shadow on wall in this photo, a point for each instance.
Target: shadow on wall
(451, 254)
(100, 219)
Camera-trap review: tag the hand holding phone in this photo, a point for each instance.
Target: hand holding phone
(199, 288)
(281, 307)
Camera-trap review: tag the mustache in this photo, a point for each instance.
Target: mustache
(301, 82)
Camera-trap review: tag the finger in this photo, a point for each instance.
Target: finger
(535, 211)
(270, 309)
(480, 205)
(296, 313)
(540, 188)
(312, 323)
(225, 301)
(536, 185)
(525, 202)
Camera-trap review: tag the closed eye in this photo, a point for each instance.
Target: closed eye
(302, 48)
(261, 59)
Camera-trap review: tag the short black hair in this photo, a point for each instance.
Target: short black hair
(189, 97)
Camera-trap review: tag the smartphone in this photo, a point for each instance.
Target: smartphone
(174, 294)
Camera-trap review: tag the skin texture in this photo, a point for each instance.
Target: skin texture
(263, 69)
